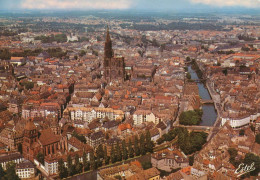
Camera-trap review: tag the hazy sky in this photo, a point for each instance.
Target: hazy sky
(126, 4)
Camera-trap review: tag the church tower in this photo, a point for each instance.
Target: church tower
(114, 67)
(30, 138)
(108, 47)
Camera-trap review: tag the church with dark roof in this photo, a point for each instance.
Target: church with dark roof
(47, 142)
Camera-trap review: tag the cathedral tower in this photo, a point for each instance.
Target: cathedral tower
(30, 138)
(108, 47)
(114, 67)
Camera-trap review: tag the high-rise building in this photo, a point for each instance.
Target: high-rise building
(114, 67)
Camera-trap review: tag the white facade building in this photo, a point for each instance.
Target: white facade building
(8, 158)
(25, 170)
(142, 116)
(239, 122)
(88, 114)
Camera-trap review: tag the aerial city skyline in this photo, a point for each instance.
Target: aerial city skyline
(130, 89)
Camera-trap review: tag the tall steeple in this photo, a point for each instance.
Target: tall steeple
(113, 66)
(108, 35)
(108, 46)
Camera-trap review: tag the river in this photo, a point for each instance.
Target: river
(209, 113)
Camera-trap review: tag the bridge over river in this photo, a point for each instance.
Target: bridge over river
(207, 101)
(198, 128)
(198, 80)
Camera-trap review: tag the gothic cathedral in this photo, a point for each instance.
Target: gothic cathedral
(114, 67)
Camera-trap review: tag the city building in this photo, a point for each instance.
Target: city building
(25, 170)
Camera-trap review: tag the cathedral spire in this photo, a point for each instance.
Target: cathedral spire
(108, 35)
(108, 46)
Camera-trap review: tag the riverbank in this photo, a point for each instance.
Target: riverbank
(197, 69)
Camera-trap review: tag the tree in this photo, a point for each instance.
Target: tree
(105, 151)
(191, 160)
(99, 162)
(197, 139)
(252, 127)
(106, 157)
(82, 53)
(82, 39)
(99, 38)
(10, 172)
(149, 143)
(183, 141)
(257, 138)
(180, 133)
(251, 158)
(130, 149)
(60, 38)
(95, 52)
(225, 71)
(142, 144)
(40, 158)
(136, 146)
(162, 47)
(56, 52)
(160, 140)
(146, 165)
(5, 54)
(155, 43)
(85, 162)
(78, 165)
(79, 137)
(245, 49)
(73, 170)
(241, 132)
(100, 155)
(124, 149)
(118, 152)
(191, 117)
(144, 40)
(93, 164)
(2, 172)
(112, 154)
(100, 152)
(141, 53)
(232, 159)
(118, 177)
(107, 136)
(27, 84)
(20, 148)
(190, 142)
(188, 76)
(69, 161)
(63, 172)
(71, 167)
